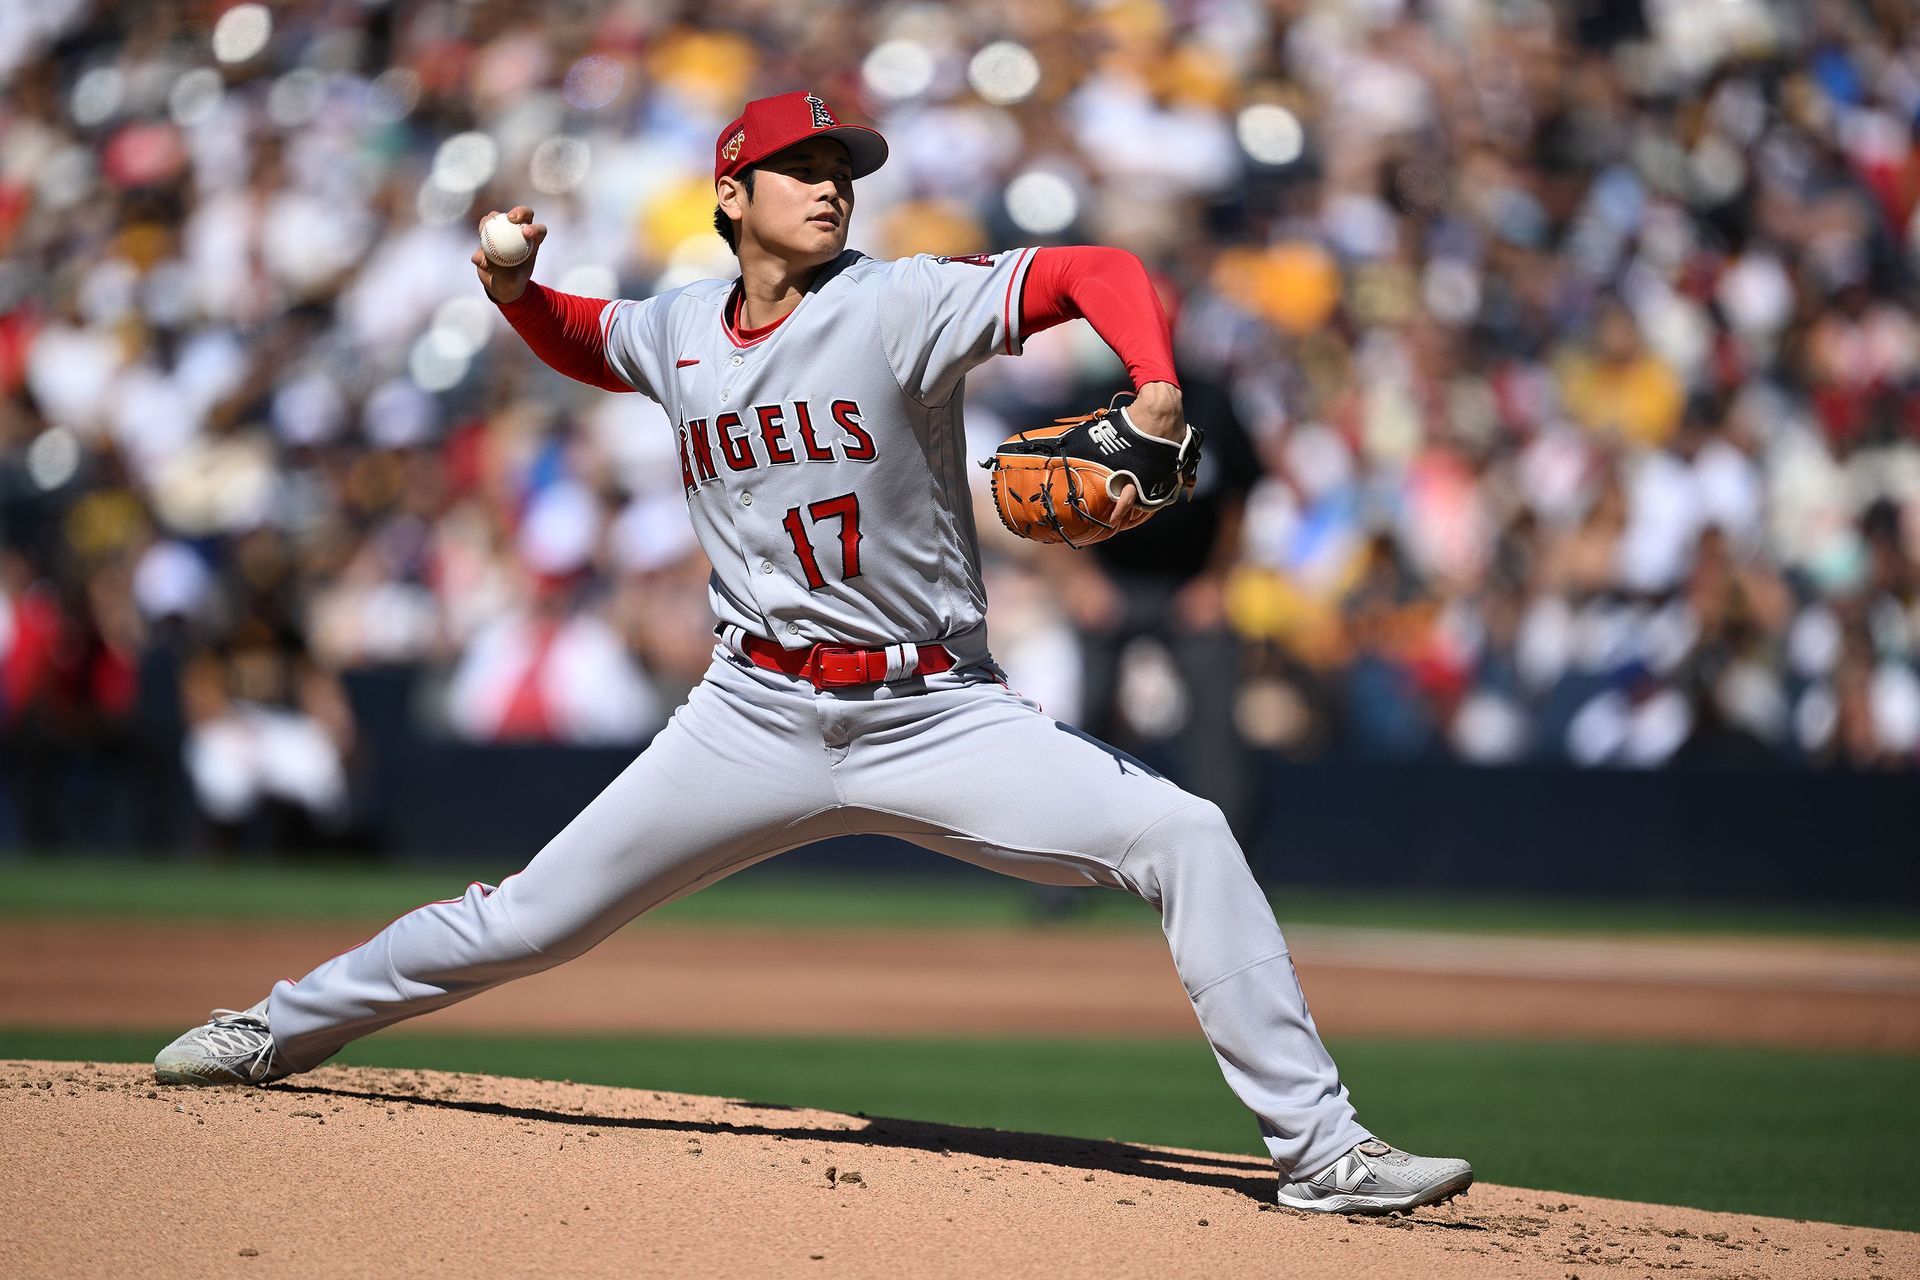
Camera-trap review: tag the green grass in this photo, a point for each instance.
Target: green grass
(1821, 1136)
(959, 897)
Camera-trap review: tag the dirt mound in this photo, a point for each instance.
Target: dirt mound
(353, 1171)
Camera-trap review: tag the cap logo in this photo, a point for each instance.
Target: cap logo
(732, 150)
(822, 118)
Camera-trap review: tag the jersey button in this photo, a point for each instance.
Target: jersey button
(726, 395)
(793, 628)
(746, 499)
(739, 359)
(766, 566)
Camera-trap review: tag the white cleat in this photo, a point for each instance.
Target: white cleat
(234, 1047)
(1377, 1178)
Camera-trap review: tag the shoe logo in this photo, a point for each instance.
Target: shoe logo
(1106, 437)
(681, 364)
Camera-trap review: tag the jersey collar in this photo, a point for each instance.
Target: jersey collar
(744, 338)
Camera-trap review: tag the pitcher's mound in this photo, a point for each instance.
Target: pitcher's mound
(351, 1171)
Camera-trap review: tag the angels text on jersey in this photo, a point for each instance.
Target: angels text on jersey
(772, 435)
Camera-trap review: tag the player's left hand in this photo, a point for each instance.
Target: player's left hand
(1086, 478)
(1157, 409)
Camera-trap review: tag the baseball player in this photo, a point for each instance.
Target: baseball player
(818, 403)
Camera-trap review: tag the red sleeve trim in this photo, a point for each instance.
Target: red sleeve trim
(1008, 315)
(1111, 290)
(564, 331)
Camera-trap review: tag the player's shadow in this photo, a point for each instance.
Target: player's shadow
(1246, 1175)
(1122, 761)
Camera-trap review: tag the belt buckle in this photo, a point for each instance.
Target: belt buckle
(838, 666)
(833, 666)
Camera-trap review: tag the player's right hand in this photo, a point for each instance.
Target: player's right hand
(506, 284)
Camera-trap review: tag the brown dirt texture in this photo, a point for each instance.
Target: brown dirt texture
(353, 1171)
(692, 979)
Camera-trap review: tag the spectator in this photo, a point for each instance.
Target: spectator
(1165, 583)
(1575, 346)
(267, 740)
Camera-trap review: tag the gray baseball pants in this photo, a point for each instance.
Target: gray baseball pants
(757, 763)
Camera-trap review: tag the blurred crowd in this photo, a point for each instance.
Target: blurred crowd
(1560, 363)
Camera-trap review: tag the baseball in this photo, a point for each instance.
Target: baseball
(502, 241)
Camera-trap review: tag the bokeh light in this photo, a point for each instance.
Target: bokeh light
(589, 280)
(464, 325)
(393, 95)
(295, 98)
(438, 206)
(558, 165)
(1042, 203)
(898, 69)
(593, 82)
(195, 96)
(242, 32)
(1451, 291)
(97, 96)
(695, 258)
(53, 458)
(436, 363)
(465, 162)
(1270, 133)
(66, 177)
(1004, 73)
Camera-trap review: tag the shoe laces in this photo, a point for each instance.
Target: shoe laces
(241, 1035)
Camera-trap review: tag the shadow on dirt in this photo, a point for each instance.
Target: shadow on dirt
(1247, 1175)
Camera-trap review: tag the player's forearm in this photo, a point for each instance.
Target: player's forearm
(563, 329)
(1111, 290)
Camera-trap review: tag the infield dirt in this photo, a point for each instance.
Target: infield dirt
(354, 1171)
(759, 981)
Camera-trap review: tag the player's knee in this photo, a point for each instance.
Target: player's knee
(1197, 824)
(499, 929)
(555, 927)
(1190, 840)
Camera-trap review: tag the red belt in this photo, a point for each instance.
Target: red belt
(832, 666)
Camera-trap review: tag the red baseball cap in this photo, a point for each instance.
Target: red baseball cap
(773, 124)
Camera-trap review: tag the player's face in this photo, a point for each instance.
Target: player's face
(803, 201)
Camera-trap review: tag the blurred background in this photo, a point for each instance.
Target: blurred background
(1560, 520)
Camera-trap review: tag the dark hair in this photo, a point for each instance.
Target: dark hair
(723, 224)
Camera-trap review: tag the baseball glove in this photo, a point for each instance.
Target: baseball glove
(1063, 483)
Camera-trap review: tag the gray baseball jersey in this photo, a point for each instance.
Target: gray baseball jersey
(825, 464)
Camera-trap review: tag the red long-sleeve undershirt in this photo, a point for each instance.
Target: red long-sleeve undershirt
(564, 330)
(1109, 288)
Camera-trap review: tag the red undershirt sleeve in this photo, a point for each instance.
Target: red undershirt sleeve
(1110, 289)
(564, 331)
